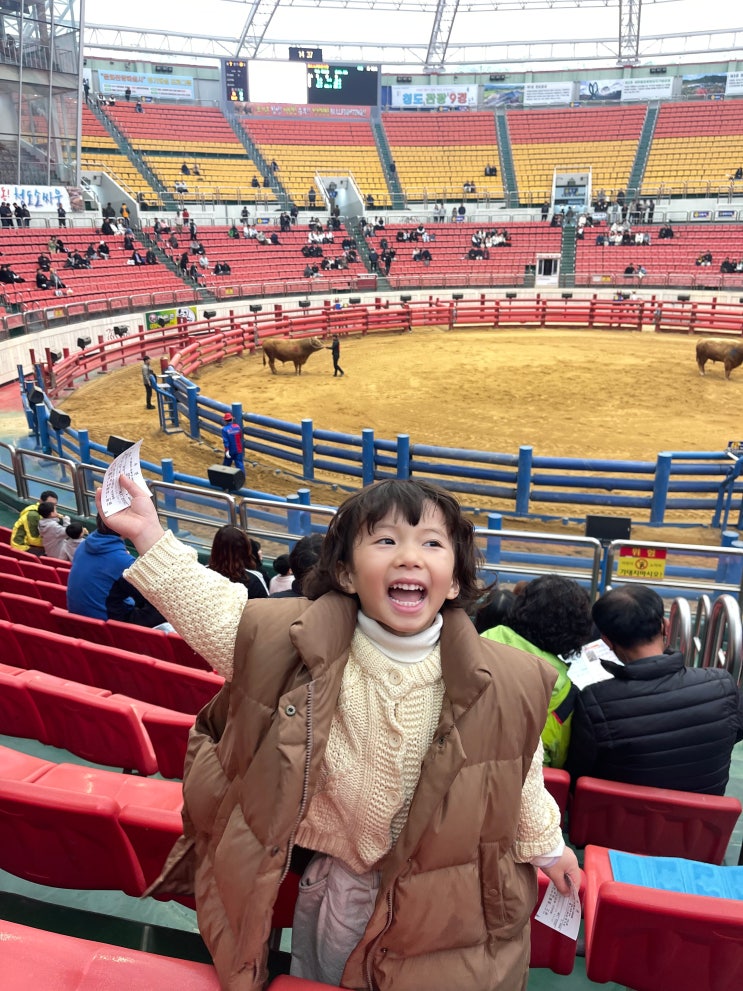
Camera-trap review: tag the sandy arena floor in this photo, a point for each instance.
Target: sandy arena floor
(578, 394)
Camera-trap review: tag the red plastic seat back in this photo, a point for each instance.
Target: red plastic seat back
(655, 821)
(28, 610)
(557, 783)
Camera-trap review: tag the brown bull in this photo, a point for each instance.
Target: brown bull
(295, 351)
(729, 353)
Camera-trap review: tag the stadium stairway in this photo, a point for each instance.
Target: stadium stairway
(643, 150)
(507, 170)
(567, 256)
(140, 165)
(282, 196)
(354, 228)
(385, 157)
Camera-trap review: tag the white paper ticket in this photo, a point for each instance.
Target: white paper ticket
(113, 497)
(560, 912)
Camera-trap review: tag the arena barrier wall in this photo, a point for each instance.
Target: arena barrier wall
(658, 492)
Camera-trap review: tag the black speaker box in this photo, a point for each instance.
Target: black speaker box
(35, 397)
(230, 479)
(117, 445)
(58, 420)
(607, 528)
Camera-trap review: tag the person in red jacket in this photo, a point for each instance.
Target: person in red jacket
(232, 439)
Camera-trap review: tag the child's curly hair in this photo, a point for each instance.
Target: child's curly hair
(410, 498)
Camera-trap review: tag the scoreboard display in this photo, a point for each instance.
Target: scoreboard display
(235, 73)
(352, 85)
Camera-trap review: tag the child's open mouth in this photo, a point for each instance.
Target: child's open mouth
(407, 593)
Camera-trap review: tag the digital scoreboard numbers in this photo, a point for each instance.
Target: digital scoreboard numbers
(352, 85)
(305, 53)
(235, 80)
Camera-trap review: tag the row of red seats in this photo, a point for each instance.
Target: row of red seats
(48, 609)
(64, 653)
(92, 723)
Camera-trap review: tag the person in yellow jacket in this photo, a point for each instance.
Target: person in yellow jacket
(25, 535)
(550, 617)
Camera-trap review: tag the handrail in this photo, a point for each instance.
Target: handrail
(679, 631)
(724, 628)
(701, 623)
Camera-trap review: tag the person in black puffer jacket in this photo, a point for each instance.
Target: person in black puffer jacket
(656, 722)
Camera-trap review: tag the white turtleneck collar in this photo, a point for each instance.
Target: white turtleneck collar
(405, 650)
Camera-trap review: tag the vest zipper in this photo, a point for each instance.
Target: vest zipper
(305, 783)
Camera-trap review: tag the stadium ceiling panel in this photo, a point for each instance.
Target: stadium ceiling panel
(424, 35)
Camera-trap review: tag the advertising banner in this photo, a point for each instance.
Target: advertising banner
(536, 94)
(36, 197)
(705, 85)
(432, 97)
(301, 110)
(599, 89)
(170, 317)
(734, 85)
(652, 88)
(145, 84)
(502, 95)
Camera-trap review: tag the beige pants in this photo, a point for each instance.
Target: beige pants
(333, 908)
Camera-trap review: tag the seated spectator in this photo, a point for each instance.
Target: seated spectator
(42, 279)
(195, 170)
(8, 276)
(302, 558)
(128, 242)
(180, 187)
(369, 201)
(103, 250)
(75, 533)
(222, 268)
(137, 258)
(550, 617)
(185, 170)
(150, 258)
(52, 528)
(233, 231)
(494, 609)
(641, 272)
(107, 228)
(738, 174)
(232, 556)
(630, 269)
(261, 238)
(283, 579)
(183, 263)
(665, 232)
(25, 535)
(275, 238)
(656, 722)
(173, 241)
(126, 604)
(203, 261)
(254, 182)
(99, 561)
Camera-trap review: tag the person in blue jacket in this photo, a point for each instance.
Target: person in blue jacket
(99, 561)
(232, 439)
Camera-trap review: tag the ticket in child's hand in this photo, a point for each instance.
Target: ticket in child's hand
(113, 497)
(560, 912)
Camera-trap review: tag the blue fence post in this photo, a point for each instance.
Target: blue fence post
(367, 456)
(42, 418)
(493, 544)
(192, 398)
(729, 568)
(168, 475)
(293, 517)
(308, 451)
(660, 487)
(83, 446)
(523, 480)
(305, 519)
(403, 455)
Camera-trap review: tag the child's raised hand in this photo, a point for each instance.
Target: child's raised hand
(139, 521)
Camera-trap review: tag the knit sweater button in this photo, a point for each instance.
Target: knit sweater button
(395, 740)
(394, 676)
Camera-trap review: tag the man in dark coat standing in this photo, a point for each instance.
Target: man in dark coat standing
(656, 722)
(335, 350)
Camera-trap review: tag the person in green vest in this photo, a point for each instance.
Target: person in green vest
(25, 535)
(550, 617)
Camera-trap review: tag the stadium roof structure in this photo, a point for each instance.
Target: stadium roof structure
(421, 35)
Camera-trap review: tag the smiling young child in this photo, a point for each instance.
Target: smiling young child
(368, 736)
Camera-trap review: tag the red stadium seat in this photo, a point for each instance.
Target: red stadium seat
(19, 585)
(17, 766)
(286, 983)
(52, 592)
(18, 713)
(54, 654)
(38, 570)
(82, 627)
(91, 723)
(28, 610)
(140, 639)
(168, 731)
(65, 839)
(33, 958)
(653, 821)
(653, 940)
(10, 565)
(12, 653)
